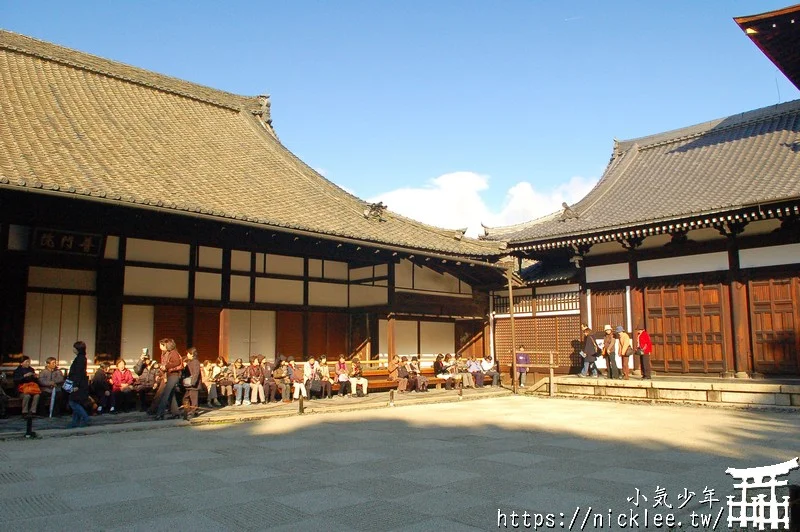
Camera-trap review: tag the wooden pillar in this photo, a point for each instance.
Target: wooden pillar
(513, 332)
(13, 286)
(110, 284)
(391, 349)
(741, 329)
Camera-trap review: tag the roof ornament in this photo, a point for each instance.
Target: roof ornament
(265, 113)
(459, 233)
(568, 213)
(375, 211)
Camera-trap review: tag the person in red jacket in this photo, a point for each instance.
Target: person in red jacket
(645, 350)
(122, 386)
(172, 365)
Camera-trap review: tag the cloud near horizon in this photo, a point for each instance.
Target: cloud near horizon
(455, 201)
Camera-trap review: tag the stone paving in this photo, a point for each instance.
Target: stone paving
(442, 465)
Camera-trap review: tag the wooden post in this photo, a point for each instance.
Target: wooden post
(391, 338)
(300, 407)
(509, 272)
(741, 329)
(552, 384)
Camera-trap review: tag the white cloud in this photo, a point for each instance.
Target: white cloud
(455, 201)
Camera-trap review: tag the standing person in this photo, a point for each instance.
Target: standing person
(26, 382)
(147, 382)
(122, 386)
(589, 353)
(522, 360)
(172, 366)
(610, 352)
(645, 349)
(80, 386)
(192, 385)
(50, 380)
(625, 350)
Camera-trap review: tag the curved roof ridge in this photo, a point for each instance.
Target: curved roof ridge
(114, 69)
(497, 232)
(696, 130)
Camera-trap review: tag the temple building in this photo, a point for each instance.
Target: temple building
(694, 233)
(135, 206)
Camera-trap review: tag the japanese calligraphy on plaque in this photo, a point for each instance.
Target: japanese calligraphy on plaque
(67, 242)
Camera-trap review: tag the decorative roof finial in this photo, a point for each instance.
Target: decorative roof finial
(568, 213)
(375, 210)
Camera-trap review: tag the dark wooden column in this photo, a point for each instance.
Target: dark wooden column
(110, 285)
(740, 316)
(390, 333)
(13, 286)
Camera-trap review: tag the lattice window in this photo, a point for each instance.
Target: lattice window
(560, 302)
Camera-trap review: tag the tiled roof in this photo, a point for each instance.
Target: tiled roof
(547, 272)
(740, 161)
(76, 124)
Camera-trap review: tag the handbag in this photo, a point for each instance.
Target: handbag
(187, 382)
(315, 385)
(29, 388)
(68, 386)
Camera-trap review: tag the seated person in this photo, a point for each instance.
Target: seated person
(441, 372)
(225, 381)
(487, 365)
(342, 378)
(122, 386)
(399, 373)
(325, 377)
(147, 383)
(26, 383)
(461, 368)
(297, 378)
(255, 375)
(240, 383)
(100, 389)
(474, 368)
(357, 378)
(270, 384)
(50, 380)
(282, 379)
(210, 374)
(421, 380)
(313, 377)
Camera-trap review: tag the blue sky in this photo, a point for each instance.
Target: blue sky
(452, 112)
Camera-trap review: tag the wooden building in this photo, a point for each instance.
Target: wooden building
(694, 233)
(135, 206)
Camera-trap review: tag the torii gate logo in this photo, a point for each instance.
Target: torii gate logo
(760, 511)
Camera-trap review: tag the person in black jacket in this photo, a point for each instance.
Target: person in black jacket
(80, 386)
(192, 386)
(101, 390)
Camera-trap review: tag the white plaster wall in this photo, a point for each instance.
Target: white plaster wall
(556, 289)
(279, 291)
(336, 270)
(327, 294)
(769, 256)
(208, 286)
(356, 274)
(405, 337)
(314, 268)
(238, 335)
(156, 282)
(157, 251)
(111, 248)
(284, 264)
(427, 279)
(210, 258)
(240, 260)
(364, 296)
(240, 288)
(403, 273)
(706, 262)
(437, 337)
(608, 272)
(137, 331)
(62, 278)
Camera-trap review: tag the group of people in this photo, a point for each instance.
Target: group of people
(616, 342)
(454, 370)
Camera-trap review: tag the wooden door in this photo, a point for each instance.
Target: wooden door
(685, 323)
(289, 334)
(775, 323)
(608, 308)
